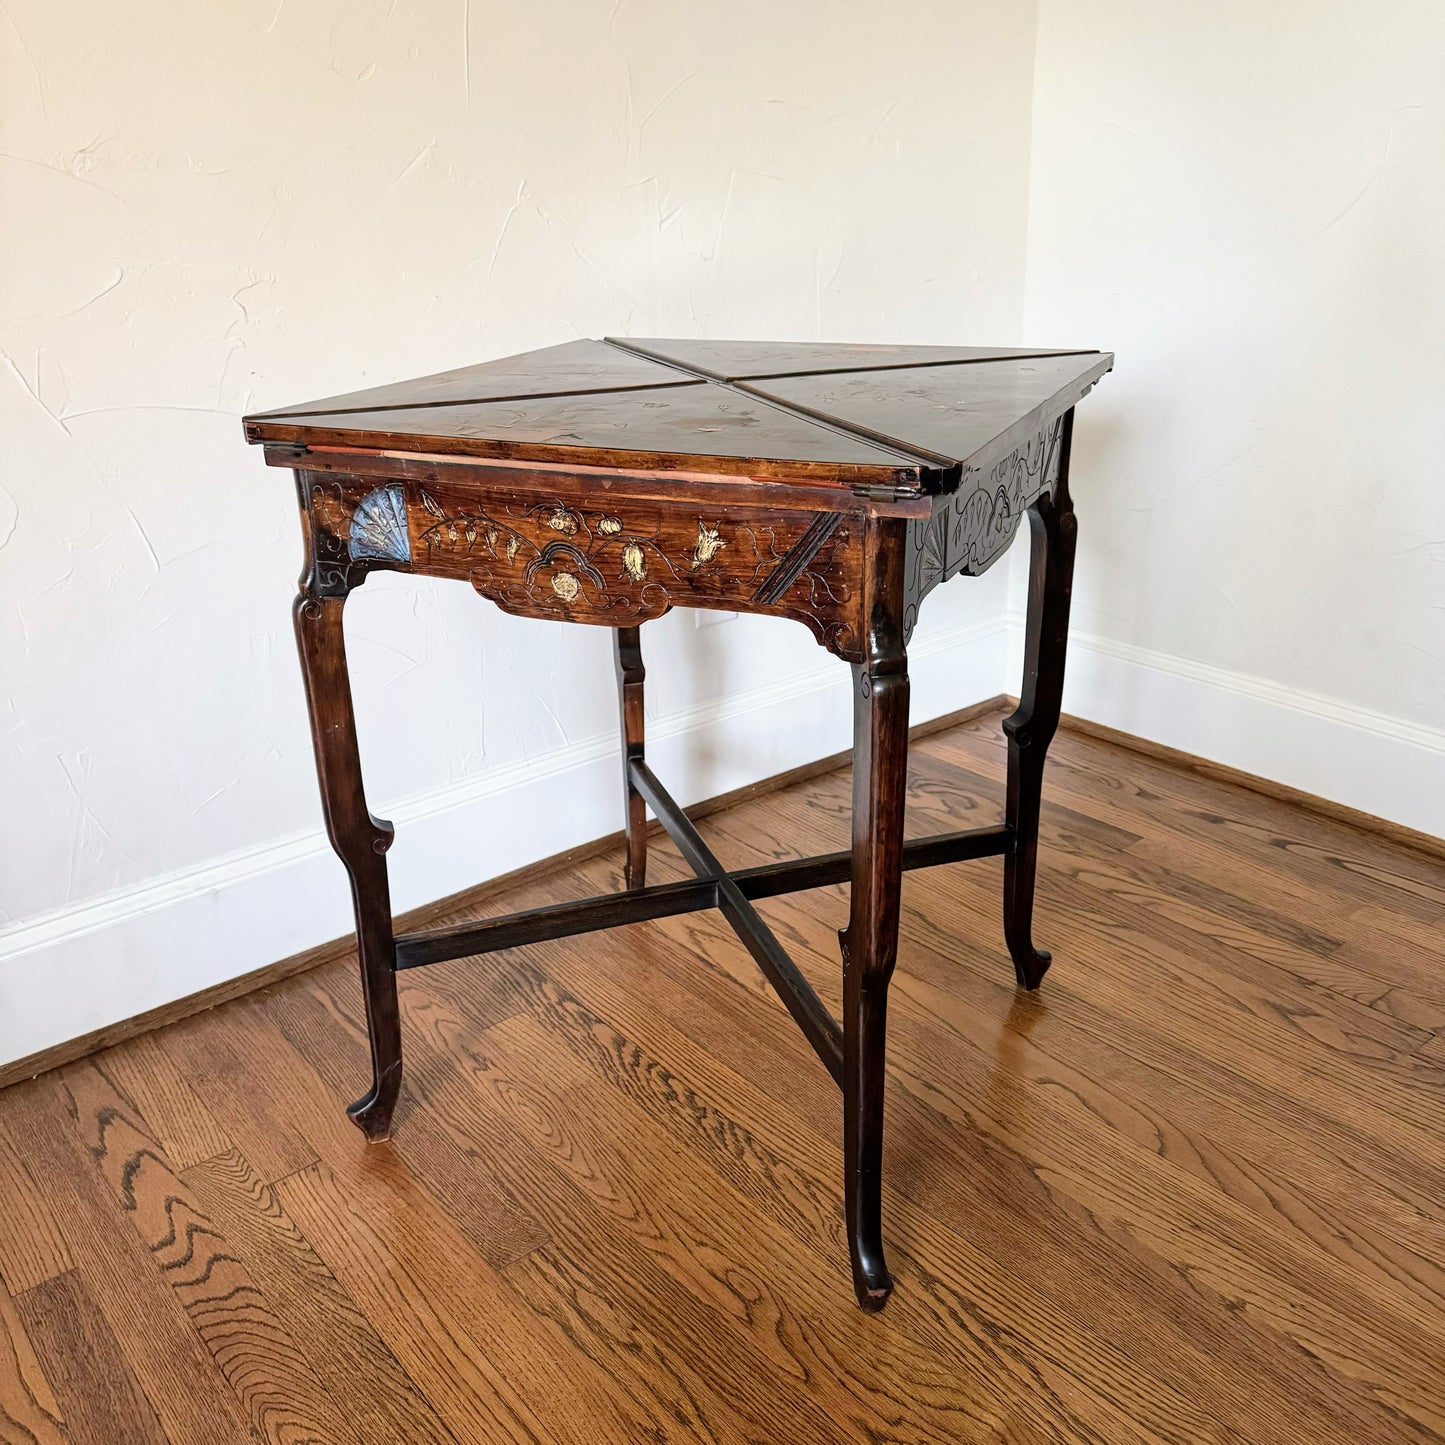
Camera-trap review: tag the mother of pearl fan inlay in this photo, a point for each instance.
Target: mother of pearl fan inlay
(378, 526)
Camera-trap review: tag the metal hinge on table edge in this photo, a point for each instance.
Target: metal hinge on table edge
(932, 482)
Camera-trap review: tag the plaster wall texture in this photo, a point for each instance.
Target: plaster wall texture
(1245, 202)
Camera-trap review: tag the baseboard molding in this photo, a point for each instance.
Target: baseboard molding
(1344, 757)
(86, 976)
(1395, 833)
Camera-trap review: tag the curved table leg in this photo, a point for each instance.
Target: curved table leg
(1031, 727)
(630, 675)
(870, 943)
(360, 841)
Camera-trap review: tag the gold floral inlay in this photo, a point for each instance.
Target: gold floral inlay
(609, 526)
(708, 545)
(634, 561)
(566, 586)
(563, 521)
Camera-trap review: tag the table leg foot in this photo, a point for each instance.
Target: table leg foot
(863, 1087)
(372, 1112)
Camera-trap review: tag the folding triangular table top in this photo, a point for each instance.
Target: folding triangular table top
(900, 418)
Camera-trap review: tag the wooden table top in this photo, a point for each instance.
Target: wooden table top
(903, 418)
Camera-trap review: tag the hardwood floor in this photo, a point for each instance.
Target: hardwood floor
(1193, 1190)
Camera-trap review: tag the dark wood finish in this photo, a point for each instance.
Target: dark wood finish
(359, 838)
(1031, 726)
(1189, 1192)
(927, 410)
(822, 420)
(667, 900)
(752, 360)
(575, 368)
(601, 504)
(697, 427)
(630, 677)
(870, 942)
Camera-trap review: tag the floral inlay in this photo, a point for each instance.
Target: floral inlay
(708, 545)
(570, 564)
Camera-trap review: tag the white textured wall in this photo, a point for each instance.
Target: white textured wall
(210, 208)
(1247, 202)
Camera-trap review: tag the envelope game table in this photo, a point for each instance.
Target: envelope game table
(606, 482)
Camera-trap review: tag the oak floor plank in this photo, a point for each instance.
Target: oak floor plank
(729, 1275)
(210, 1052)
(100, 1399)
(954, 1382)
(326, 1042)
(32, 1248)
(269, 1373)
(1317, 867)
(383, 1403)
(949, 919)
(1253, 1161)
(1135, 990)
(1181, 799)
(438, 1256)
(436, 1302)
(144, 1071)
(1279, 1026)
(689, 1366)
(191, 1398)
(29, 1412)
(1397, 1098)
(1239, 938)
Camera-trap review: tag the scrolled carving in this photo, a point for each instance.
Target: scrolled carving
(985, 515)
(618, 564)
(353, 527)
(970, 530)
(599, 568)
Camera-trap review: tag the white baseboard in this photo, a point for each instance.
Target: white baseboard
(1352, 755)
(84, 968)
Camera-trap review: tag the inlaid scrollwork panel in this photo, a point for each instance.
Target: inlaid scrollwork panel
(616, 564)
(972, 528)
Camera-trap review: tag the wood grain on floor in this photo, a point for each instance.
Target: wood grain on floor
(1193, 1190)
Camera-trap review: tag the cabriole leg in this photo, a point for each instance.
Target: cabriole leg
(630, 675)
(870, 943)
(360, 841)
(1031, 727)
